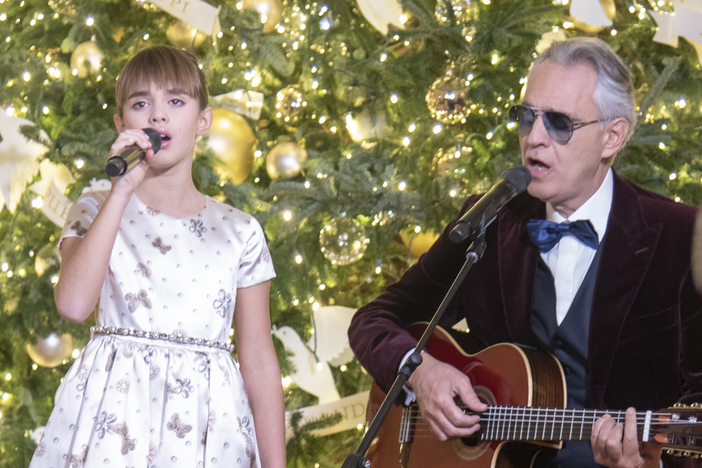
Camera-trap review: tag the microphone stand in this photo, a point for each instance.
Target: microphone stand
(358, 460)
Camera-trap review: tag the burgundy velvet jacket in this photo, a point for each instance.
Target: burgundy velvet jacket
(645, 344)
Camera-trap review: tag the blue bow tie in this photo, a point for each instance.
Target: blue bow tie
(546, 234)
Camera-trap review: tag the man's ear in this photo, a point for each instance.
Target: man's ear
(119, 123)
(205, 121)
(615, 137)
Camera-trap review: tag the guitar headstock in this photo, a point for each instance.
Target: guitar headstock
(679, 430)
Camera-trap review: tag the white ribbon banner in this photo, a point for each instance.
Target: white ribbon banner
(351, 408)
(196, 13)
(51, 187)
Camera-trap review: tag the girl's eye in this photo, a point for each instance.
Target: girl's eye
(139, 104)
(176, 101)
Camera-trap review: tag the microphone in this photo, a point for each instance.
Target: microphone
(130, 156)
(474, 221)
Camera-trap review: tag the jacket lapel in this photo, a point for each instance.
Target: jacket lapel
(517, 265)
(627, 249)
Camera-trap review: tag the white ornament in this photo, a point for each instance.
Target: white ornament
(51, 187)
(246, 103)
(311, 376)
(381, 12)
(590, 12)
(18, 160)
(685, 22)
(37, 434)
(332, 340)
(331, 347)
(98, 185)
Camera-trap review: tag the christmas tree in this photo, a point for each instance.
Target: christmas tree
(352, 130)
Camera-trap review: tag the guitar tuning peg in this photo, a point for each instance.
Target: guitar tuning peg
(696, 405)
(678, 405)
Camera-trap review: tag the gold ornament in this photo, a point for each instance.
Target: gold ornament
(447, 98)
(118, 34)
(343, 241)
(462, 12)
(444, 158)
(285, 160)
(234, 143)
(271, 12)
(418, 243)
(609, 10)
(289, 104)
(86, 57)
(47, 257)
(184, 36)
(52, 350)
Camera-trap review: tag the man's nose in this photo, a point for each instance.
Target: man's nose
(538, 136)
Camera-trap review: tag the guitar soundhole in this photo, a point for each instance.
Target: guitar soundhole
(471, 448)
(470, 441)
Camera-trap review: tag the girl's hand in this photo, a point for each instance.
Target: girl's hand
(131, 180)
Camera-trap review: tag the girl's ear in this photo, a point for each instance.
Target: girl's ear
(119, 123)
(205, 121)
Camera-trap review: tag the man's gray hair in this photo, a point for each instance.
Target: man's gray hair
(614, 90)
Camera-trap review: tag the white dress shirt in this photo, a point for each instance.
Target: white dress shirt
(570, 259)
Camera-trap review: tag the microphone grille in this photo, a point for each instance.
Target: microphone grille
(155, 138)
(519, 176)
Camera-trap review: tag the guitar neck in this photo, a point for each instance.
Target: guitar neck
(552, 424)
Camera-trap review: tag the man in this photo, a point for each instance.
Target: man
(617, 307)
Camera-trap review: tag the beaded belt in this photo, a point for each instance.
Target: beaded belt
(172, 337)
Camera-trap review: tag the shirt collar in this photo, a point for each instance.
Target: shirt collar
(596, 208)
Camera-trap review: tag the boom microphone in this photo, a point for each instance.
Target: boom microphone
(474, 221)
(130, 156)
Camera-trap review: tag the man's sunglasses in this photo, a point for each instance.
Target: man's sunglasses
(558, 125)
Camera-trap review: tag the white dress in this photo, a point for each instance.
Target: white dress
(162, 400)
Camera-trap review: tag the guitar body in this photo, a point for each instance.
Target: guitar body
(504, 374)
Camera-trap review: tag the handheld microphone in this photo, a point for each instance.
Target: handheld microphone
(474, 221)
(130, 156)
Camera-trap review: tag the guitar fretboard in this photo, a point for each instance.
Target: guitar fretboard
(547, 424)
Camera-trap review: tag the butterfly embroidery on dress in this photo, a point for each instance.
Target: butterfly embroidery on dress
(163, 248)
(182, 387)
(80, 230)
(143, 270)
(152, 211)
(122, 430)
(175, 425)
(136, 300)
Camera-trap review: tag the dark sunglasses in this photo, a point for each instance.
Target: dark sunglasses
(558, 125)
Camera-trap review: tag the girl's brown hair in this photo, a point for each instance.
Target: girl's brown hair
(167, 66)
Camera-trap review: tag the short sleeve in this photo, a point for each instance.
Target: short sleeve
(256, 265)
(81, 214)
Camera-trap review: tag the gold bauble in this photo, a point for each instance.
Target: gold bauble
(234, 143)
(285, 160)
(289, 104)
(184, 36)
(271, 11)
(447, 98)
(418, 243)
(46, 258)
(86, 52)
(609, 10)
(52, 350)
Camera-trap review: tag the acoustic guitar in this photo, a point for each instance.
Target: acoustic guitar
(526, 395)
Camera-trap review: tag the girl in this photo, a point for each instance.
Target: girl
(168, 268)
